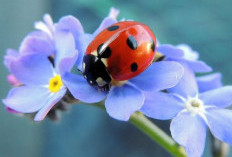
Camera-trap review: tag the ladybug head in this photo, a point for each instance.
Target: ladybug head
(96, 73)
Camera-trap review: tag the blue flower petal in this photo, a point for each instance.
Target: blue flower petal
(67, 63)
(46, 25)
(159, 76)
(122, 101)
(37, 43)
(32, 69)
(11, 55)
(51, 101)
(184, 53)
(81, 90)
(66, 54)
(220, 97)
(170, 51)
(161, 105)
(109, 20)
(198, 66)
(27, 99)
(82, 40)
(72, 24)
(219, 122)
(187, 87)
(209, 82)
(49, 22)
(190, 132)
(189, 53)
(81, 44)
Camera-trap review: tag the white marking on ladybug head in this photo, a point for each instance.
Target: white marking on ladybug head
(100, 82)
(104, 61)
(85, 76)
(94, 53)
(91, 82)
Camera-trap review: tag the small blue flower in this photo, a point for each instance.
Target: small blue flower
(42, 85)
(184, 54)
(192, 111)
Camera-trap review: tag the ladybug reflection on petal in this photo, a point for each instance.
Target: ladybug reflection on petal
(118, 53)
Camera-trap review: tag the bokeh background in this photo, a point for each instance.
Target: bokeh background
(86, 131)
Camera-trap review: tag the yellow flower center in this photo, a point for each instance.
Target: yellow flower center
(55, 84)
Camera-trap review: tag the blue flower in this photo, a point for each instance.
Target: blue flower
(192, 111)
(42, 85)
(184, 54)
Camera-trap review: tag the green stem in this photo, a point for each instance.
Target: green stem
(154, 132)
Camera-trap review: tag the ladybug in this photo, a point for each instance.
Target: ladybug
(118, 53)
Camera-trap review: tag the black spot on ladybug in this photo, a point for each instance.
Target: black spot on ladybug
(103, 52)
(134, 67)
(132, 43)
(113, 28)
(153, 46)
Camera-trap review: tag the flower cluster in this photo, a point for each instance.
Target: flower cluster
(42, 79)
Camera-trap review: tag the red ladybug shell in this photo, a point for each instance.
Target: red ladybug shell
(129, 48)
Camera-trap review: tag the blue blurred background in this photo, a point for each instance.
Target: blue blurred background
(86, 131)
